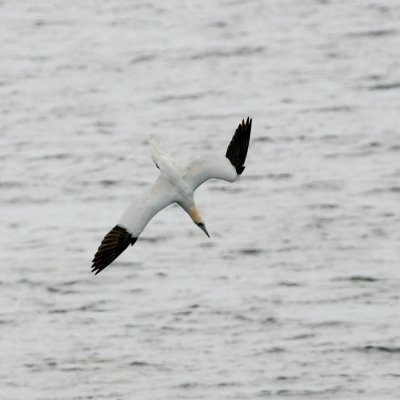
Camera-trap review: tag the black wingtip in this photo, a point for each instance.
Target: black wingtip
(113, 244)
(237, 149)
(239, 170)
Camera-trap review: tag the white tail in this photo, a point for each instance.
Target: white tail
(156, 150)
(156, 145)
(159, 155)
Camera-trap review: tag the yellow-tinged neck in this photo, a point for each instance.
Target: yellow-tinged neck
(195, 215)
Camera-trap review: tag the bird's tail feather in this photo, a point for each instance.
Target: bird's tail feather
(158, 152)
(157, 149)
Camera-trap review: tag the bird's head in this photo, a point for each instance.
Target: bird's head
(196, 217)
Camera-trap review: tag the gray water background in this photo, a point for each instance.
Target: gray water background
(296, 295)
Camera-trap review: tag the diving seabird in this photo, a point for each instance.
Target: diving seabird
(174, 185)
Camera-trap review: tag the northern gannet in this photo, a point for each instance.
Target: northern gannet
(174, 185)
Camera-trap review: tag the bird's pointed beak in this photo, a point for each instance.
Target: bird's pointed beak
(203, 228)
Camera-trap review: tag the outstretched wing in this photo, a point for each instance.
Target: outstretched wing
(132, 223)
(227, 169)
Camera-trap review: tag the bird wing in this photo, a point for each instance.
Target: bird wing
(132, 223)
(229, 168)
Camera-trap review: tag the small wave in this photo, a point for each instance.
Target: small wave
(373, 33)
(154, 239)
(108, 182)
(373, 144)
(287, 249)
(287, 378)
(56, 156)
(27, 200)
(188, 385)
(279, 176)
(143, 59)
(301, 337)
(227, 384)
(271, 350)
(10, 185)
(70, 283)
(331, 109)
(238, 52)
(289, 284)
(6, 321)
(269, 320)
(298, 393)
(207, 245)
(391, 189)
(323, 185)
(187, 96)
(379, 349)
(385, 86)
(72, 369)
(58, 311)
(250, 251)
(52, 289)
(183, 313)
(28, 282)
(323, 206)
(328, 324)
(255, 177)
(357, 278)
(140, 364)
(262, 139)
(225, 189)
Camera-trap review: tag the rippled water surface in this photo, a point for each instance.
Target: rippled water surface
(296, 295)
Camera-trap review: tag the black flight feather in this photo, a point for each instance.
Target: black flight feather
(113, 244)
(237, 149)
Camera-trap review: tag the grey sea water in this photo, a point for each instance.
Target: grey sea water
(296, 295)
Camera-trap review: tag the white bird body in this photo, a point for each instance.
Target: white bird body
(174, 185)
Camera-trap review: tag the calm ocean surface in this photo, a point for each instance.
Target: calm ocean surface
(296, 295)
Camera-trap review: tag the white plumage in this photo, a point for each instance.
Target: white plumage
(174, 185)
